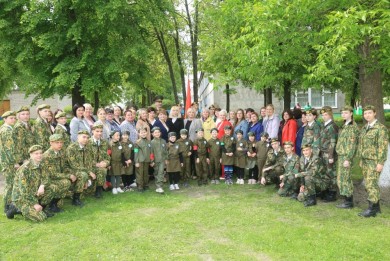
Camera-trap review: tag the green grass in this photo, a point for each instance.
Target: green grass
(208, 223)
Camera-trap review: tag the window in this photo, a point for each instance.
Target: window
(316, 98)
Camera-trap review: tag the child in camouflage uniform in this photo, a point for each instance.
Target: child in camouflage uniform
(251, 165)
(116, 161)
(215, 150)
(228, 144)
(142, 152)
(240, 156)
(159, 156)
(174, 161)
(127, 160)
(202, 157)
(312, 132)
(186, 148)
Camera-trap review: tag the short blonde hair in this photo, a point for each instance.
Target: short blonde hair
(174, 107)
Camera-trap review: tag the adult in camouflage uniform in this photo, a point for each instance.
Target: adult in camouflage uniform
(328, 140)
(201, 156)
(100, 158)
(186, 148)
(61, 128)
(289, 185)
(142, 160)
(41, 128)
(273, 167)
(54, 163)
(80, 161)
(346, 148)
(174, 161)
(23, 136)
(30, 193)
(240, 157)
(373, 146)
(313, 179)
(312, 131)
(215, 156)
(7, 160)
(159, 156)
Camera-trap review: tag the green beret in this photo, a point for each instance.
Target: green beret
(172, 133)
(35, 148)
(97, 125)
(23, 108)
(227, 127)
(43, 106)
(288, 143)
(311, 111)
(7, 114)
(239, 131)
(200, 129)
(155, 129)
(274, 140)
(83, 132)
(326, 109)
(60, 114)
(113, 133)
(265, 134)
(251, 133)
(369, 108)
(56, 137)
(183, 131)
(305, 146)
(347, 108)
(213, 129)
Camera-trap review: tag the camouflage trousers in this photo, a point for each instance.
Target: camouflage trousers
(186, 169)
(82, 178)
(215, 167)
(330, 171)
(101, 174)
(202, 169)
(371, 178)
(142, 175)
(272, 176)
(30, 213)
(59, 187)
(9, 174)
(314, 184)
(159, 173)
(344, 180)
(290, 186)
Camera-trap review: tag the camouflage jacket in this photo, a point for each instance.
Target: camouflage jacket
(42, 132)
(79, 159)
(200, 147)
(228, 144)
(373, 143)
(328, 139)
(261, 149)
(23, 139)
(55, 164)
(291, 166)
(60, 130)
(215, 148)
(313, 167)
(347, 142)
(27, 181)
(185, 146)
(174, 157)
(7, 146)
(311, 136)
(128, 151)
(142, 151)
(241, 155)
(159, 150)
(275, 159)
(99, 152)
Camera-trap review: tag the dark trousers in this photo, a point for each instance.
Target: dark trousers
(174, 177)
(253, 173)
(239, 172)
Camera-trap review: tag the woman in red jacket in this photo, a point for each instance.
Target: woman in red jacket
(289, 127)
(222, 123)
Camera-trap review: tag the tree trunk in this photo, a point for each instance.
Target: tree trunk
(97, 103)
(77, 97)
(167, 57)
(370, 79)
(267, 96)
(179, 60)
(354, 92)
(227, 90)
(287, 94)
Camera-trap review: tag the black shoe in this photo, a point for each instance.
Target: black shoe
(76, 200)
(330, 196)
(53, 207)
(99, 192)
(348, 203)
(48, 213)
(311, 201)
(6, 207)
(11, 211)
(294, 196)
(371, 211)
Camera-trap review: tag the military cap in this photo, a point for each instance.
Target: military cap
(155, 129)
(265, 134)
(326, 109)
(56, 137)
(200, 129)
(172, 133)
(8, 113)
(60, 114)
(311, 111)
(288, 143)
(251, 133)
(227, 127)
(126, 133)
(97, 125)
(183, 131)
(274, 140)
(213, 129)
(158, 98)
(35, 148)
(347, 108)
(43, 106)
(239, 131)
(113, 133)
(369, 108)
(305, 146)
(83, 132)
(23, 108)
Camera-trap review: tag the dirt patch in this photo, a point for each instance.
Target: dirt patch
(360, 195)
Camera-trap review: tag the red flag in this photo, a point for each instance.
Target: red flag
(188, 97)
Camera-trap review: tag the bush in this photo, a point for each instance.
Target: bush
(68, 110)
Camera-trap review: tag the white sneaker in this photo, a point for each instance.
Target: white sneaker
(177, 186)
(119, 190)
(171, 187)
(216, 182)
(134, 185)
(212, 181)
(238, 181)
(114, 191)
(159, 190)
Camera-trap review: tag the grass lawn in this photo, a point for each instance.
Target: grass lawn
(242, 222)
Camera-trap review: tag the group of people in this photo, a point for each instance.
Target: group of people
(304, 158)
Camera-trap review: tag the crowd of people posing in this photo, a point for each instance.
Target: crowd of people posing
(303, 157)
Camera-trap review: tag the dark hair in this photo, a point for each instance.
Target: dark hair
(297, 112)
(109, 110)
(76, 107)
(289, 112)
(120, 108)
(249, 110)
(151, 108)
(158, 97)
(126, 111)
